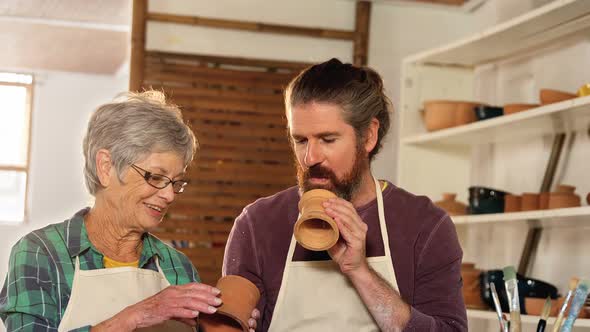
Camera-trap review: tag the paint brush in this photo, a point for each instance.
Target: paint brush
(544, 315)
(497, 305)
(578, 300)
(572, 287)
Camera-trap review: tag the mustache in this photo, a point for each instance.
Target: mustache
(318, 171)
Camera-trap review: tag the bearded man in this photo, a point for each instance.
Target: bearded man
(396, 266)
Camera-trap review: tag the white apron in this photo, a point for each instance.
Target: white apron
(98, 295)
(316, 297)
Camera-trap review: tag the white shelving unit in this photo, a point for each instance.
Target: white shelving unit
(431, 163)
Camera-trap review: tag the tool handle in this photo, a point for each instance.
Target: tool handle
(541, 326)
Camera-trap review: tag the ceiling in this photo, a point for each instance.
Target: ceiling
(87, 36)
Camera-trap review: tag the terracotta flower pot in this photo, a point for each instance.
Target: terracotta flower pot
(315, 230)
(451, 206)
(515, 108)
(530, 202)
(239, 297)
(512, 203)
(549, 96)
(441, 114)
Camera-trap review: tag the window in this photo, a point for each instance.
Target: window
(15, 122)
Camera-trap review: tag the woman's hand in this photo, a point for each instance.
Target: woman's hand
(182, 303)
(252, 322)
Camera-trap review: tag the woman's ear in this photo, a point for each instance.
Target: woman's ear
(104, 167)
(372, 135)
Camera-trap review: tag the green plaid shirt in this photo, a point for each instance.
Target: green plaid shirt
(41, 269)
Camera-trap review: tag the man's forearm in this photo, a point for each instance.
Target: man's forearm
(383, 302)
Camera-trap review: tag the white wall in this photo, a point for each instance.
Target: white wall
(62, 106)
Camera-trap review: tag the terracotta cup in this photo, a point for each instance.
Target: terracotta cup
(239, 297)
(472, 286)
(512, 203)
(530, 202)
(315, 230)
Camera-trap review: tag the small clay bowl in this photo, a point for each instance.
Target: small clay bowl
(530, 202)
(549, 96)
(512, 203)
(515, 108)
(239, 297)
(315, 230)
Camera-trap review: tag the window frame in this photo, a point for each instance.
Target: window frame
(29, 123)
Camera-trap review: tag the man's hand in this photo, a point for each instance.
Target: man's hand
(349, 252)
(252, 322)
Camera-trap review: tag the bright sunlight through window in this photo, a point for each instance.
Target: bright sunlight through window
(15, 106)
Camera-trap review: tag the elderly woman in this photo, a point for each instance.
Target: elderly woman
(101, 270)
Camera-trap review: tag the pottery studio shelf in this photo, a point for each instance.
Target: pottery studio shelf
(535, 29)
(525, 319)
(546, 218)
(569, 115)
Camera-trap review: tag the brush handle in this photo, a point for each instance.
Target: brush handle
(541, 326)
(559, 318)
(579, 297)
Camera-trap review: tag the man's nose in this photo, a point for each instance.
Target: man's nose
(313, 154)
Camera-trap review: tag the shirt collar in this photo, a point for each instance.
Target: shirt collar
(78, 242)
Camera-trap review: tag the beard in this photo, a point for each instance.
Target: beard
(345, 187)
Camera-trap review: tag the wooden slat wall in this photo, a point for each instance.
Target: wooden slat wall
(235, 106)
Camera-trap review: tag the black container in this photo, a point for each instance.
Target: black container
(483, 112)
(527, 287)
(484, 200)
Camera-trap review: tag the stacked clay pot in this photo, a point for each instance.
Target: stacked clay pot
(315, 230)
(441, 114)
(564, 197)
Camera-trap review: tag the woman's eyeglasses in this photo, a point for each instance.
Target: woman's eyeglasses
(160, 181)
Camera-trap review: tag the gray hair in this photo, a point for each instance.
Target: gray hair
(357, 90)
(130, 128)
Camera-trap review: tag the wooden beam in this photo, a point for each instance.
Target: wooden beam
(252, 26)
(137, 44)
(164, 57)
(361, 33)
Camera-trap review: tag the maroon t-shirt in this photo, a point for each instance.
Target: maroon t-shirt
(424, 247)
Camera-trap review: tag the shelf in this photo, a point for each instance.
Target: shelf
(548, 218)
(537, 28)
(526, 319)
(569, 115)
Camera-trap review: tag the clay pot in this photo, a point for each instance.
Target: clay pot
(441, 114)
(472, 286)
(512, 203)
(530, 202)
(549, 96)
(315, 230)
(515, 108)
(239, 297)
(543, 201)
(564, 197)
(534, 306)
(451, 206)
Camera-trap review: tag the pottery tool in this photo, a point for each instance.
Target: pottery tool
(544, 315)
(572, 287)
(497, 305)
(511, 285)
(579, 297)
